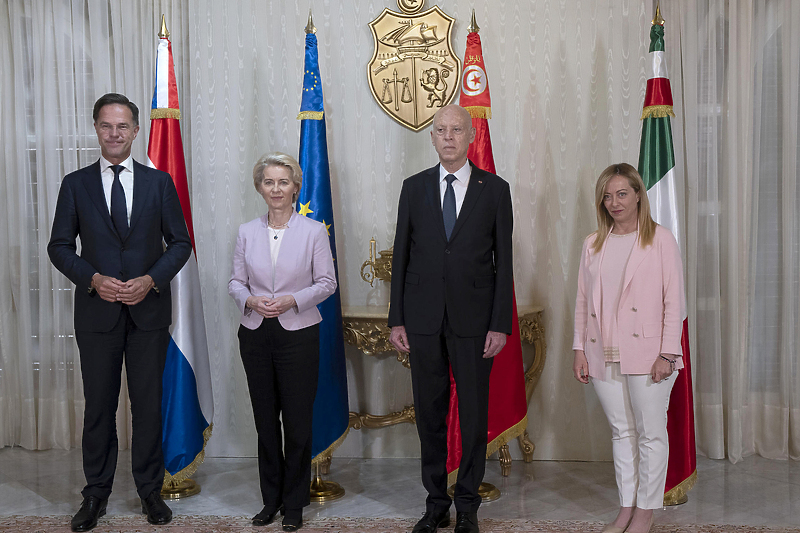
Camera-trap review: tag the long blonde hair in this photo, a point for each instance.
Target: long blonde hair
(647, 227)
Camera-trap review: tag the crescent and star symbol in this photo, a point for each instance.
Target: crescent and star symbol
(474, 80)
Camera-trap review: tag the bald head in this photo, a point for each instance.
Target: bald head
(455, 109)
(451, 136)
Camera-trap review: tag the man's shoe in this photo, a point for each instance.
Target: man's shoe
(466, 523)
(432, 521)
(267, 515)
(292, 523)
(158, 513)
(91, 509)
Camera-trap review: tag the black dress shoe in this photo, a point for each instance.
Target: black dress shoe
(267, 515)
(91, 509)
(292, 523)
(466, 523)
(431, 521)
(158, 513)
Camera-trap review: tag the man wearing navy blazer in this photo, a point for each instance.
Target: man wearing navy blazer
(133, 242)
(451, 306)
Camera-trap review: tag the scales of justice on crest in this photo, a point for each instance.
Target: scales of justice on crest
(414, 70)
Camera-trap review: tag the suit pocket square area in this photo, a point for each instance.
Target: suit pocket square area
(412, 278)
(484, 281)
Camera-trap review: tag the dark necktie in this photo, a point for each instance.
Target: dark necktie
(119, 209)
(449, 206)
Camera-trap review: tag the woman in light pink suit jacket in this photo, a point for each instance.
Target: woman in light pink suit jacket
(628, 321)
(282, 268)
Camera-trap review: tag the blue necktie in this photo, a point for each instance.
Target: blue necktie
(119, 208)
(449, 206)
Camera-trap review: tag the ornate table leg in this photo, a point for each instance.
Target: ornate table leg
(527, 446)
(325, 466)
(532, 331)
(505, 460)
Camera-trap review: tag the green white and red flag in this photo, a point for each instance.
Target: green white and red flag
(657, 168)
(508, 405)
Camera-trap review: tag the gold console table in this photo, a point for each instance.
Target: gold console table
(365, 328)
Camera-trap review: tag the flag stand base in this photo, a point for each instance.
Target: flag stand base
(486, 491)
(324, 491)
(184, 489)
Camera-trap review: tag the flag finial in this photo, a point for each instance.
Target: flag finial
(473, 25)
(310, 28)
(164, 32)
(658, 19)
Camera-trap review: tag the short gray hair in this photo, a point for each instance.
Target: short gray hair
(278, 159)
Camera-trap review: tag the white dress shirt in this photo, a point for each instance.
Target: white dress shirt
(459, 184)
(125, 177)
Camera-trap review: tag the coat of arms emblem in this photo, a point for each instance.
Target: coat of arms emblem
(414, 70)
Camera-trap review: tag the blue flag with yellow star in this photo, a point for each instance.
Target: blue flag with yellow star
(331, 411)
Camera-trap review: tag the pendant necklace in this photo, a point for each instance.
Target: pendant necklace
(276, 227)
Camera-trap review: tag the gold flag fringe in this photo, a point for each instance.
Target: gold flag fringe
(171, 480)
(502, 439)
(165, 112)
(676, 494)
(657, 111)
(479, 111)
(324, 455)
(313, 115)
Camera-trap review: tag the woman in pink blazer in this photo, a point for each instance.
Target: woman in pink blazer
(628, 318)
(282, 268)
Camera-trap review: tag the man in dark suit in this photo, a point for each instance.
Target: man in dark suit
(133, 242)
(450, 306)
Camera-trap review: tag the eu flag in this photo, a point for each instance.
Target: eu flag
(331, 411)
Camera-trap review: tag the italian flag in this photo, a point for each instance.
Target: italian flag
(657, 168)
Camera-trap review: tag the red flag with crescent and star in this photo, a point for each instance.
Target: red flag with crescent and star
(508, 406)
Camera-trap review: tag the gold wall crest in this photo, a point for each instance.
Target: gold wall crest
(414, 70)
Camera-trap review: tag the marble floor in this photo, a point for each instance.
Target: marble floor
(756, 491)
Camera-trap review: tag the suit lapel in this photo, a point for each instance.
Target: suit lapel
(142, 182)
(637, 256)
(474, 190)
(433, 200)
(93, 183)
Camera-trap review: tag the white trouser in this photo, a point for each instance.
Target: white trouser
(637, 413)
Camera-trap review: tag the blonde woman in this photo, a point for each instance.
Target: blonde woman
(282, 268)
(628, 320)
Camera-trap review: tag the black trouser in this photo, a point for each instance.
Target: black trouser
(431, 357)
(102, 354)
(282, 368)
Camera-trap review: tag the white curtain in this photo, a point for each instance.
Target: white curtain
(567, 81)
(740, 62)
(57, 58)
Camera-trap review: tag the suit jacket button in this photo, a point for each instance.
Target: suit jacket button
(447, 251)
(634, 309)
(592, 340)
(635, 334)
(594, 315)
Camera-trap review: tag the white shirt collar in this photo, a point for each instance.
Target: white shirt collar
(104, 163)
(462, 174)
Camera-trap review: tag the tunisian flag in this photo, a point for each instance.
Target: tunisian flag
(508, 406)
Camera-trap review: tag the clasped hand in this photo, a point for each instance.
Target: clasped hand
(271, 307)
(129, 292)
